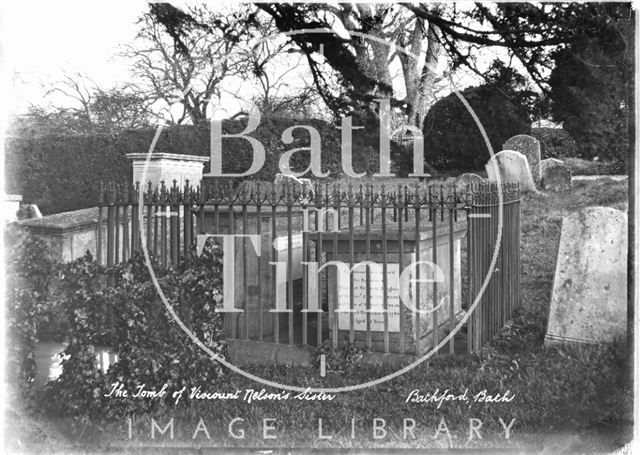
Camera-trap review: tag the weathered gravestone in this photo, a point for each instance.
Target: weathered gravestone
(549, 162)
(512, 166)
(556, 177)
(530, 147)
(589, 299)
(466, 179)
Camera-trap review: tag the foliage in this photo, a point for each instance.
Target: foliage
(592, 83)
(29, 273)
(186, 68)
(62, 172)
(349, 357)
(119, 307)
(555, 142)
(453, 139)
(556, 390)
(95, 110)
(154, 350)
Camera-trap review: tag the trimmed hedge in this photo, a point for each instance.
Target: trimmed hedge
(62, 172)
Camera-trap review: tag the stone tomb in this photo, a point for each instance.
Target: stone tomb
(529, 146)
(167, 167)
(512, 166)
(69, 235)
(589, 298)
(339, 284)
(254, 276)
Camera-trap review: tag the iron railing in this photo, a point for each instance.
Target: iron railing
(396, 228)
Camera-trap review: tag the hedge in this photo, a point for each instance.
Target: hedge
(62, 172)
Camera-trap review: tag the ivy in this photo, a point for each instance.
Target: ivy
(120, 307)
(29, 272)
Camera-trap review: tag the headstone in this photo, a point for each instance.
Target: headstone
(512, 166)
(529, 146)
(284, 179)
(556, 177)
(548, 162)
(589, 298)
(466, 179)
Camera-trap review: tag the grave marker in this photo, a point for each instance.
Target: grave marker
(468, 178)
(512, 166)
(529, 146)
(556, 177)
(589, 298)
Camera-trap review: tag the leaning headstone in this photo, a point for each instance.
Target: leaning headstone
(512, 166)
(529, 146)
(589, 298)
(556, 177)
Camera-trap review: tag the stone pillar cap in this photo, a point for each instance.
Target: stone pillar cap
(168, 156)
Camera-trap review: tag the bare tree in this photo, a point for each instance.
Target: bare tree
(379, 36)
(278, 72)
(187, 67)
(78, 105)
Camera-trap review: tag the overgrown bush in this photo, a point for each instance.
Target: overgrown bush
(29, 271)
(452, 138)
(120, 307)
(555, 142)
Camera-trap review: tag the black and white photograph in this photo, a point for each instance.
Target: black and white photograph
(319, 227)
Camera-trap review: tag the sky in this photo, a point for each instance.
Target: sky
(43, 40)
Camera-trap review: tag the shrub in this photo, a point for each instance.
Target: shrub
(555, 142)
(120, 307)
(62, 172)
(452, 138)
(29, 271)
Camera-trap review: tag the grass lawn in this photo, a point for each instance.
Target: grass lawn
(564, 399)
